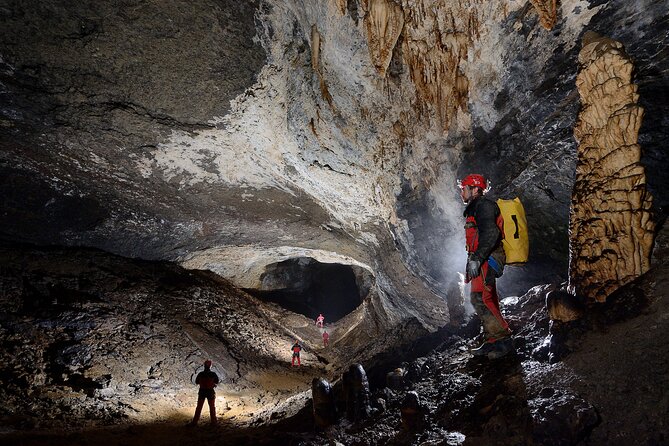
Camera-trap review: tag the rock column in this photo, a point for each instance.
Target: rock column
(611, 229)
(356, 389)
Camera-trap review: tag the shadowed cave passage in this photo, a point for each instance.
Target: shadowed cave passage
(306, 286)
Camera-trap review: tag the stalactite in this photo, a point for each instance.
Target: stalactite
(315, 48)
(611, 226)
(315, 64)
(437, 38)
(547, 10)
(384, 20)
(341, 5)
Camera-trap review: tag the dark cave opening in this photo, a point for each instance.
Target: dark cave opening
(306, 286)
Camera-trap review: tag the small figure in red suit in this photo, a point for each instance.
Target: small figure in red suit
(296, 348)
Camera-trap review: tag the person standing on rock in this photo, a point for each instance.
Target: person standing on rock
(207, 380)
(296, 349)
(326, 338)
(484, 231)
(319, 320)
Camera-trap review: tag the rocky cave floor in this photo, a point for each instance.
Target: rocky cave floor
(98, 349)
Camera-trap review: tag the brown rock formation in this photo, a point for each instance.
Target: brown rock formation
(315, 48)
(323, 403)
(563, 306)
(341, 4)
(437, 39)
(611, 227)
(547, 12)
(315, 65)
(384, 21)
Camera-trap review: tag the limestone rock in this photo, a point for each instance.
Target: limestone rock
(563, 306)
(323, 403)
(356, 391)
(547, 12)
(610, 225)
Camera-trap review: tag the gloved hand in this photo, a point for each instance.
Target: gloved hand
(473, 268)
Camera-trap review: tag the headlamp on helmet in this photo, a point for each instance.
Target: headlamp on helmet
(475, 180)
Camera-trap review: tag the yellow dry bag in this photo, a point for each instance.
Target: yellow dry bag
(516, 241)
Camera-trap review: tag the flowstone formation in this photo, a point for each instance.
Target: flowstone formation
(182, 133)
(611, 224)
(547, 12)
(384, 21)
(437, 60)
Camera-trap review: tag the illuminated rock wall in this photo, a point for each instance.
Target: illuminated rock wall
(611, 227)
(183, 131)
(383, 22)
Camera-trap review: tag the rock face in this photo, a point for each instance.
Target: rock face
(107, 339)
(89, 338)
(236, 136)
(547, 12)
(611, 225)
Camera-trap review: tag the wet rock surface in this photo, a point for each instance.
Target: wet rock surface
(71, 361)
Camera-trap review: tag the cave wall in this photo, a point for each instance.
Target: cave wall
(535, 108)
(91, 90)
(198, 132)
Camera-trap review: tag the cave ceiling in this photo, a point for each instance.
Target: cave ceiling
(232, 135)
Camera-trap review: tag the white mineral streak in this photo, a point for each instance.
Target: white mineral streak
(575, 16)
(610, 226)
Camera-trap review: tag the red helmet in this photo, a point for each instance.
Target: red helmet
(475, 180)
(207, 363)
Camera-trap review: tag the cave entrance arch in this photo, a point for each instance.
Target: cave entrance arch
(306, 286)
